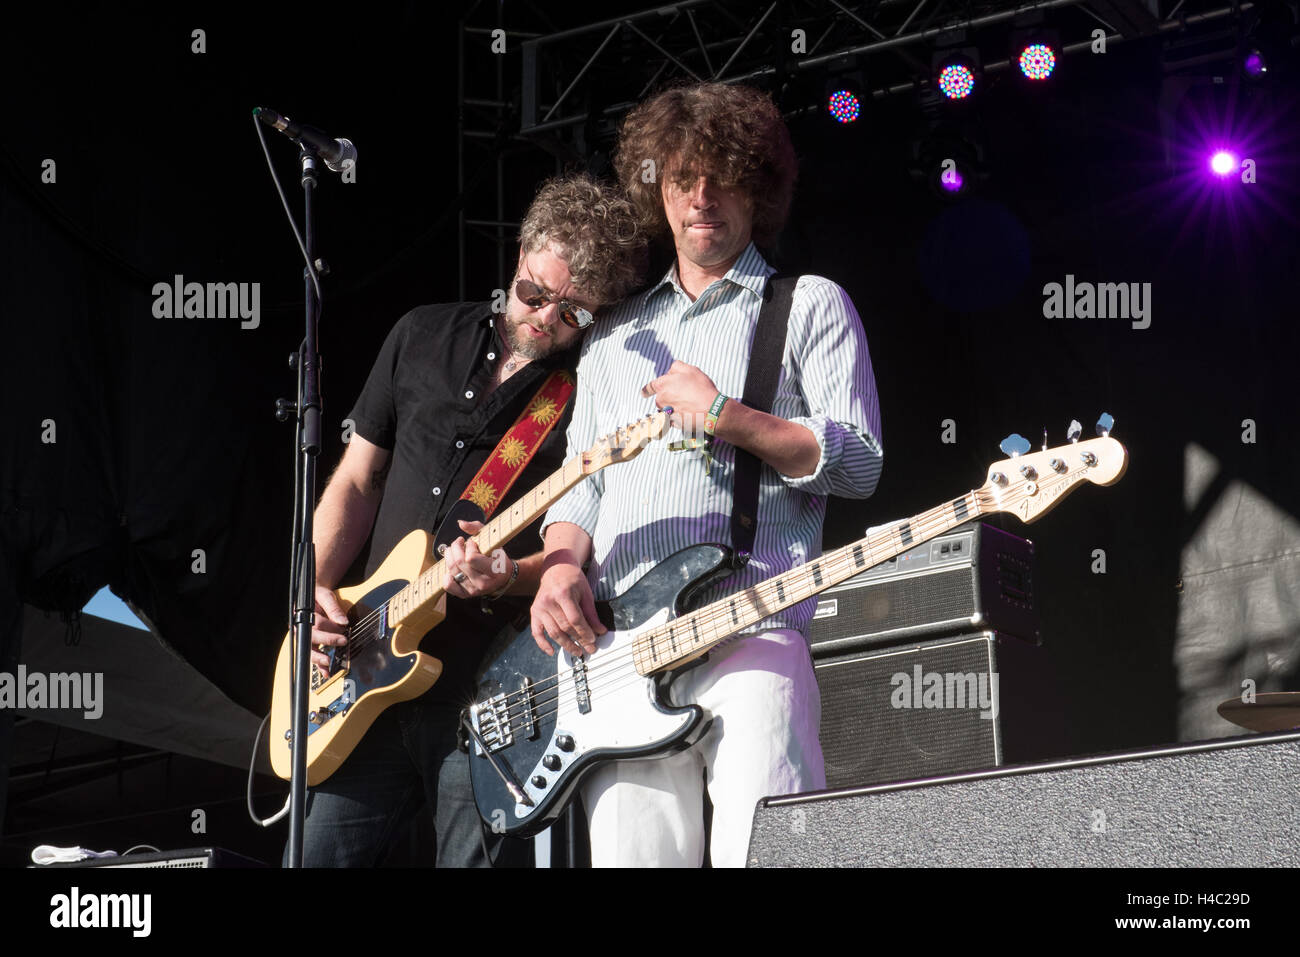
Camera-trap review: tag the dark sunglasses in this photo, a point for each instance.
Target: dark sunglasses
(534, 297)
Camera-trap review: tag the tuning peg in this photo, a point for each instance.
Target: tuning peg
(1074, 431)
(1014, 445)
(1044, 438)
(1105, 423)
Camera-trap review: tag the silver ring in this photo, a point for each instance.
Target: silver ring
(460, 578)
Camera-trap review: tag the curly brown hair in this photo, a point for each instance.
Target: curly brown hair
(733, 134)
(594, 229)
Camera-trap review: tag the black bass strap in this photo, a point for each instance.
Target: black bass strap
(765, 355)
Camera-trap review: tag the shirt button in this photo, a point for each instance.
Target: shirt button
(469, 394)
(436, 490)
(460, 444)
(492, 355)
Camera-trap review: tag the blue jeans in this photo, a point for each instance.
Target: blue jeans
(407, 760)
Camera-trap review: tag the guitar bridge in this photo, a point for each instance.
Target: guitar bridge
(492, 722)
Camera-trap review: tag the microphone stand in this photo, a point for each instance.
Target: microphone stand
(303, 572)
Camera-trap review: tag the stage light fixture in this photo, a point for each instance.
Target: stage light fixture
(950, 161)
(844, 106)
(1254, 65)
(1224, 163)
(1037, 61)
(844, 92)
(1034, 49)
(956, 81)
(955, 72)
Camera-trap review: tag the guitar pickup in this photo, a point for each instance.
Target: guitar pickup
(531, 730)
(581, 691)
(492, 721)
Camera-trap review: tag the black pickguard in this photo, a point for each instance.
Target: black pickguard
(672, 584)
(375, 665)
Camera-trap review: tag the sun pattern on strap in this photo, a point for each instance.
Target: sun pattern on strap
(513, 452)
(482, 494)
(543, 410)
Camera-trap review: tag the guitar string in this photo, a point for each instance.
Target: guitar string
(370, 636)
(712, 619)
(621, 441)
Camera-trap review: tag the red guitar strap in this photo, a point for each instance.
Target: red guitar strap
(520, 443)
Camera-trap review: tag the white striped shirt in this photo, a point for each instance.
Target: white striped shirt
(640, 512)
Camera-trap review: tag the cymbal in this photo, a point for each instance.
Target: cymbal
(1271, 711)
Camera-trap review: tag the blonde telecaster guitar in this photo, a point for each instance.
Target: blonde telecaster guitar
(396, 607)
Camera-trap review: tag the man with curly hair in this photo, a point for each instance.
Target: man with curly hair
(449, 382)
(713, 167)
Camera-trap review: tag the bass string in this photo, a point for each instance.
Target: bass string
(713, 619)
(717, 618)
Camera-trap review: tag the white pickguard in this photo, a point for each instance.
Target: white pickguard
(622, 713)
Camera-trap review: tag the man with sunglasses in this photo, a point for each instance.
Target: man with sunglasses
(723, 173)
(449, 383)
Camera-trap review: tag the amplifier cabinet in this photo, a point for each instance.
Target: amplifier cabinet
(974, 577)
(188, 859)
(934, 707)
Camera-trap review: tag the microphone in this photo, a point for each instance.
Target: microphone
(338, 154)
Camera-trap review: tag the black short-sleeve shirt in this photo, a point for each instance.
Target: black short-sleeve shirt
(425, 402)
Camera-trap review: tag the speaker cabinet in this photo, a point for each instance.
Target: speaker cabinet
(974, 578)
(933, 707)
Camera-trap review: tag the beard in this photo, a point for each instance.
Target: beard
(522, 344)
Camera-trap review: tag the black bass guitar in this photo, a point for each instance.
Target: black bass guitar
(540, 724)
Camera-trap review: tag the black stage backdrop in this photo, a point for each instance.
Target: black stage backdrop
(165, 442)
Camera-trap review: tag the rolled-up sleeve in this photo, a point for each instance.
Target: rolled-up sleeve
(833, 376)
(581, 504)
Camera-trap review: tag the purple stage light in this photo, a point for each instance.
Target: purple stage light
(951, 180)
(956, 81)
(1224, 163)
(1254, 64)
(1037, 61)
(844, 106)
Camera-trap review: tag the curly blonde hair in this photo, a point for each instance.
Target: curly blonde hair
(733, 134)
(594, 228)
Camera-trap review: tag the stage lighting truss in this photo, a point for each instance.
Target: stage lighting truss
(950, 162)
(531, 80)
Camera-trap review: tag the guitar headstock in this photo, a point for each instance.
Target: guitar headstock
(625, 443)
(1028, 484)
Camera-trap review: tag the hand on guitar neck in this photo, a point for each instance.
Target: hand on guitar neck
(472, 574)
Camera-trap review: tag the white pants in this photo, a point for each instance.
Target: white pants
(762, 695)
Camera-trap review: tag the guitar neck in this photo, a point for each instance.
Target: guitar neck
(691, 635)
(429, 585)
